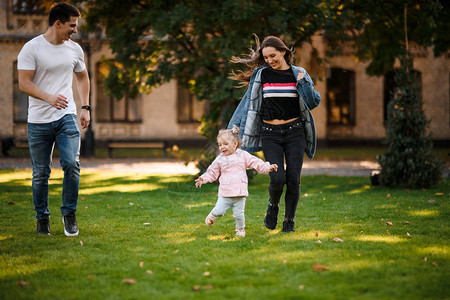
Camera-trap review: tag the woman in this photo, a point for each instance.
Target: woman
(274, 115)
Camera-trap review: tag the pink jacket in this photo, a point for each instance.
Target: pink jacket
(231, 171)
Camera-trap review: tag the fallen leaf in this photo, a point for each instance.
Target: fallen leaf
(23, 283)
(425, 259)
(388, 196)
(176, 251)
(11, 203)
(149, 272)
(317, 233)
(141, 264)
(319, 268)
(387, 231)
(318, 242)
(389, 223)
(408, 234)
(434, 263)
(206, 273)
(129, 280)
(336, 239)
(90, 276)
(439, 194)
(301, 287)
(81, 243)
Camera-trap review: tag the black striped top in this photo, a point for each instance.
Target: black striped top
(280, 97)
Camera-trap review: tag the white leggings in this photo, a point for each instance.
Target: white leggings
(238, 205)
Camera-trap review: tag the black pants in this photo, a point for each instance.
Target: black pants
(284, 143)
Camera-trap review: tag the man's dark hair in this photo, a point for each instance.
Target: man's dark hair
(62, 12)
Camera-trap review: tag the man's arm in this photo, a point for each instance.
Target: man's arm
(83, 91)
(27, 86)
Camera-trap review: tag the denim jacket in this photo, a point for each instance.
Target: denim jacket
(247, 115)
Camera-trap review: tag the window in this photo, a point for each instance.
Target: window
(389, 88)
(20, 99)
(189, 110)
(341, 97)
(27, 7)
(111, 109)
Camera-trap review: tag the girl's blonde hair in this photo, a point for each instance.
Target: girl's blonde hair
(231, 134)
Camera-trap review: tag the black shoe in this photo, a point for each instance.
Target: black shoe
(70, 225)
(288, 225)
(271, 218)
(43, 226)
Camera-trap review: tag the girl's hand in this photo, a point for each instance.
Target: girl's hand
(273, 167)
(199, 182)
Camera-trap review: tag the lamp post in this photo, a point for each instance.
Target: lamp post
(88, 143)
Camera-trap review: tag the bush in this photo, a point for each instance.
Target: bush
(409, 161)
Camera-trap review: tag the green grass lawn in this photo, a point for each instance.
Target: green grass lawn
(144, 237)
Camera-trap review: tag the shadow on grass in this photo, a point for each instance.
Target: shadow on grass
(133, 224)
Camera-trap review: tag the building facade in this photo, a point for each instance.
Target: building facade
(353, 104)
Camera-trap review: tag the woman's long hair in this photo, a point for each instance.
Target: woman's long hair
(256, 58)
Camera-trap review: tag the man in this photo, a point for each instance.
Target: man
(46, 65)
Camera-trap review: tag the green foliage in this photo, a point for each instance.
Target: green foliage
(193, 41)
(409, 161)
(376, 31)
(155, 41)
(151, 229)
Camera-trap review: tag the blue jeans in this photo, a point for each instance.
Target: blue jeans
(41, 140)
(284, 143)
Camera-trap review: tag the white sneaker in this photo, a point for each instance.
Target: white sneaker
(240, 232)
(210, 219)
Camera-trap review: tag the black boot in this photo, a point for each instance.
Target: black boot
(70, 225)
(271, 218)
(288, 225)
(43, 226)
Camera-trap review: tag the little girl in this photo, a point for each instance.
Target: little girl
(230, 167)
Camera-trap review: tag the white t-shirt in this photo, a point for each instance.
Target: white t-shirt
(54, 66)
